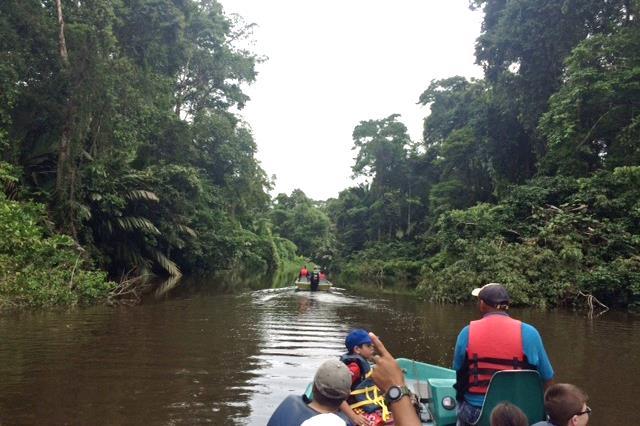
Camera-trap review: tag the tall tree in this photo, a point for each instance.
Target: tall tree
(594, 119)
(455, 135)
(522, 49)
(381, 156)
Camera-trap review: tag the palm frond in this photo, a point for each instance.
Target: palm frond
(142, 194)
(166, 263)
(134, 223)
(187, 230)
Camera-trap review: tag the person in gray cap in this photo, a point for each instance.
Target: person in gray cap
(494, 343)
(331, 386)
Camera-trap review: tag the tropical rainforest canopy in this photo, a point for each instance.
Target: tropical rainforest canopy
(122, 154)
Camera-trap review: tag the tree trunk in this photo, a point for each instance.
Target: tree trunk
(63, 148)
(65, 175)
(61, 38)
(409, 210)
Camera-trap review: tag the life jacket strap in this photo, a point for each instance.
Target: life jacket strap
(513, 362)
(372, 396)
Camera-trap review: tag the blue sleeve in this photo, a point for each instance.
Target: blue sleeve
(535, 352)
(460, 353)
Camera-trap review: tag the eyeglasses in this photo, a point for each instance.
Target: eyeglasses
(586, 411)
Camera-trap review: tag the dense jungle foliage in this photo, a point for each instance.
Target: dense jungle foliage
(529, 176)
(122, 150)
(122, 155)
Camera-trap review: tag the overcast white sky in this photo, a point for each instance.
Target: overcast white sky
(333, 63)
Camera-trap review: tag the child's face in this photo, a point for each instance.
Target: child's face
(365, 350)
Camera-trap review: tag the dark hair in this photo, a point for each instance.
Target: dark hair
(321, 399)
(507, 414)
(563, 401)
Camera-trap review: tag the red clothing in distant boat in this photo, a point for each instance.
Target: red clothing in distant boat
(304, 272)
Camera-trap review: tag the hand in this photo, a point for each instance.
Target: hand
(359, 420)
(386, 372)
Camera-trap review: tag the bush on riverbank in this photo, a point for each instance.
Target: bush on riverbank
(387, 264)
(546, 241)
(38, 269)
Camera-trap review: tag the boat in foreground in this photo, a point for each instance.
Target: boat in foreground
(305, 285)
(433, 387)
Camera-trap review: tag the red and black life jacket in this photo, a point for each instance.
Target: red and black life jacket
(363, 364)
(495, 344)
(304, 272)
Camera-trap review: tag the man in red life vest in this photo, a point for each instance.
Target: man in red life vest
(494, 343)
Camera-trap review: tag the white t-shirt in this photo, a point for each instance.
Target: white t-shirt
(327, 419)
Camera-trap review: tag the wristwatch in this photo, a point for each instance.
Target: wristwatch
(395, 393)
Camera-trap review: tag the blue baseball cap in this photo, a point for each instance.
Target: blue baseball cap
(357, 337)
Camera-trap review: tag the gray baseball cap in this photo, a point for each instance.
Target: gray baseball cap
(493, 294)
(333, 379)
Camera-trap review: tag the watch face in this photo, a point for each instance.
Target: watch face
(394, 393)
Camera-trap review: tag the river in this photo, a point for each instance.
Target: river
(206, 356)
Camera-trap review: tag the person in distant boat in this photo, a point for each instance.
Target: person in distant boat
(314, 279)
(566, 405)
(304, 273)
(331, 386)
(494, 343)
(357, 359)
(323, 275)
(507, 414)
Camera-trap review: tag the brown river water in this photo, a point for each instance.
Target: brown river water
(204, 356)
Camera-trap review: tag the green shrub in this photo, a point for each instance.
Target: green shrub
(39, 270)
(546, 241)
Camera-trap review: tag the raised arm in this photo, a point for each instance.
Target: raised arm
(387, 373)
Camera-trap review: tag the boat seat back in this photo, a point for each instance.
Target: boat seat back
(522, 388)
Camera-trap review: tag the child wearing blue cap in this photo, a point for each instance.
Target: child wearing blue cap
(359, 354)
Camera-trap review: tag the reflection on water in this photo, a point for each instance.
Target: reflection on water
(206, 356)
(299, 330)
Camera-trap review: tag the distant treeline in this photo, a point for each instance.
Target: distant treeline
(529, 176)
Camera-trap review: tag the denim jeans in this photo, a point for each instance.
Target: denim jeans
(467, 414)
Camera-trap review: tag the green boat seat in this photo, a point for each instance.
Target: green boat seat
(522, 388)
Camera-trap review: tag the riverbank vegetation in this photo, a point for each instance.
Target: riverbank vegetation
(118, 122)
(529, 176)
(122, 154)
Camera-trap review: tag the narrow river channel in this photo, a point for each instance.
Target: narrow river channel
(204, 356)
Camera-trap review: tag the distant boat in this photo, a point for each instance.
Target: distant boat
(303, 284)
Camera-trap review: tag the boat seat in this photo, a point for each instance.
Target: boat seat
(522, 388)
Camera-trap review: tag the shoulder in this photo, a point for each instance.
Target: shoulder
(326, 419)
(292, 408)
(529, 332)
(464, 334)
(463, 339)
(545, 423)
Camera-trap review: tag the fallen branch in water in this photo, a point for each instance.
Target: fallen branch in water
(128, 291)
(590, 299)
